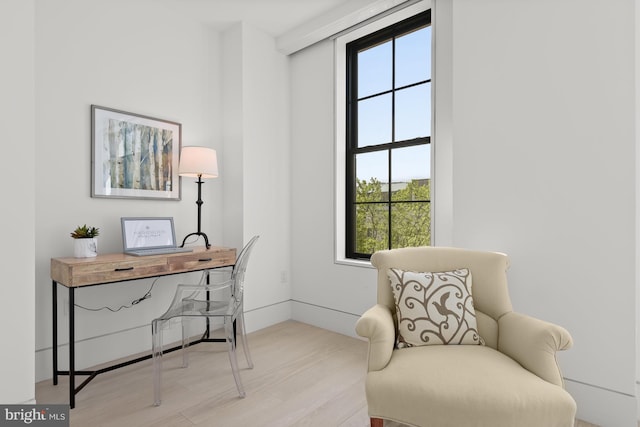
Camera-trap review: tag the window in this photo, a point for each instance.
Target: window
(388, 136)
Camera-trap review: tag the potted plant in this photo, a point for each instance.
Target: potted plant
(85, 241)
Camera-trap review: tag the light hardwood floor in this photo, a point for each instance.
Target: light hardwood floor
(303, 376)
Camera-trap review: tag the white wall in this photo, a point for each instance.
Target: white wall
(137, 57)
(541, 165)
(18, 173)
(544, 167)
(233, 135)
(256, 124)
(637, 135)
(325, 294)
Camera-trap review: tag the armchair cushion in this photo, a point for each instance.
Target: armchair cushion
(434, 307)
(468, 385)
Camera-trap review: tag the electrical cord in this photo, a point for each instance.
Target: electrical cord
(134, 302)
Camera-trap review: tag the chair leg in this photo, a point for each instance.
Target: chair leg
(185, 342)
(156, 351)
(243, 338)
(233, 358)
(377, 422)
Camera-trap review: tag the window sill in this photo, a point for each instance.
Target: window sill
(354, 262)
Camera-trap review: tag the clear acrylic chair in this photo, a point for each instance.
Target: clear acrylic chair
(218, 296)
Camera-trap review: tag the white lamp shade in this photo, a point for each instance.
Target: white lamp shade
(198, 161)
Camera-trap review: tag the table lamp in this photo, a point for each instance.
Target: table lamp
(200, 162)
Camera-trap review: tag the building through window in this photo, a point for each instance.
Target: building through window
(388, 137)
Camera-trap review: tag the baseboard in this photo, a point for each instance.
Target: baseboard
(262, 317)
(97, 350)
(105, 348)
(325, 317)
(603, 407)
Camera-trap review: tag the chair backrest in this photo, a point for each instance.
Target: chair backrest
(240, 267)
(488, 269)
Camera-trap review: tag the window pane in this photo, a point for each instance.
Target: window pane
(416, 190)
(410, 224)
(374, 121)
(372, 223)
(372, 173)
(410, 163)
(413, 57)
(413, 112)
(374, 70)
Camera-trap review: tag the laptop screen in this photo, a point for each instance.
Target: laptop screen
(147, 233)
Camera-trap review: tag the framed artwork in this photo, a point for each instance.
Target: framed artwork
(134, 156)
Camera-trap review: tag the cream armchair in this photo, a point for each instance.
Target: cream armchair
(513, 380)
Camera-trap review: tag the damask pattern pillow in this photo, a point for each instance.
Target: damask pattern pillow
(434, 308)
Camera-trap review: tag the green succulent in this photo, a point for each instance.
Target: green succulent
(85, 232)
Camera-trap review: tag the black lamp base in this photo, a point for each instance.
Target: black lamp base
(206, 239)
(199, 202)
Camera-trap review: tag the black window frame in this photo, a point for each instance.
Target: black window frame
(391, 32)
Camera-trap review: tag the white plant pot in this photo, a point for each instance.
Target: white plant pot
(85, 248)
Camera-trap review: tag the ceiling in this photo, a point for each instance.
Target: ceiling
(275, 17)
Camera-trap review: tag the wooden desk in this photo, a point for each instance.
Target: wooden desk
(112, 268)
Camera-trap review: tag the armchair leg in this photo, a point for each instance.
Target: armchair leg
(377, 422)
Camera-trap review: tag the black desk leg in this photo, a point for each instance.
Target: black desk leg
(72, 350)
(207, 331)
(54, 297)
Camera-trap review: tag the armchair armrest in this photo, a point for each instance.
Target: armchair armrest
(533, 343)
(377, 325)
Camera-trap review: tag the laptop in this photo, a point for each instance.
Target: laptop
(149, 236)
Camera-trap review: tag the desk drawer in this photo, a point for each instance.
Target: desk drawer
(95, 273)
(201, 260)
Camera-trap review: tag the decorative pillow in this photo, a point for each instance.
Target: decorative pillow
(434, 308)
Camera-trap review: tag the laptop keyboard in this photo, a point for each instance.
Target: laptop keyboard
(159, 251)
